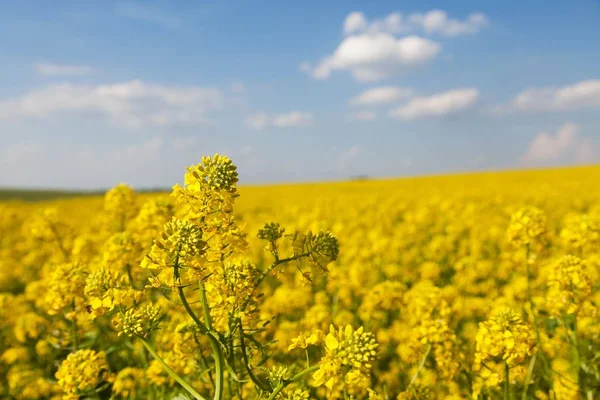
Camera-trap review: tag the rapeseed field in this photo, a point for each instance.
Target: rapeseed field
(478, 286)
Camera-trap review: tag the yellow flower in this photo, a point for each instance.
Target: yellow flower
(179, 245)
(569, 285)
(527, 226)
(138, 321)
(128, 382)
(348, 357)
(81, 372)
(503, 336)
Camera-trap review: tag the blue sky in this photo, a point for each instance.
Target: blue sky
(96, 93)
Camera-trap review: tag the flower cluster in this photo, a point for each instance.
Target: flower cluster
(569, 285)
(526, 226)
(504, 336)
(138, 321)
(349, 355)
(180, 245)
(82, 372)
(105, 290)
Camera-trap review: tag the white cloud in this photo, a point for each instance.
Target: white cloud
(371, 50)
(580, 95)
(372, 57)
(294, 118)
(261, 121)
(355, 22)
(257, 121)
(565, 145)
(394, 23)
(133, 104)
(438, 105)
(437, 21)
(381, 95)
(364, 116)
(50, 69)
(346, 156)
(146, 13)
(432, 22)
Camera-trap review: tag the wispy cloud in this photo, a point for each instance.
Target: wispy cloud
(381, 95)
(565, 145)
(261, 121)
(438, 105)
(432, 22)
(51, 69)
(579, 95)
(364, 116)
(148, 14)
(132, 104)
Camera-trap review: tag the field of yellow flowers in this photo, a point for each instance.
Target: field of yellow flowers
(469, 286)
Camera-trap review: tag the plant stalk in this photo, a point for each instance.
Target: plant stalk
(172, 373)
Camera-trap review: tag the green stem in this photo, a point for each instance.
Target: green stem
(206, 329)
(547, 369)
(253, 377)
(75, 329)
(528, 378)
(277, 263)
(214, 344)
(186, 304)
(293, 379)
(59, 241)
(506, 381)
(529, 296)
(421, 365)
(205, 308)
(172, 373)
(577, 356)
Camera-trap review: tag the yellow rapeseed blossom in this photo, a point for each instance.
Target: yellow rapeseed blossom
(504, 336)
(138, 321)
(526, 226)
(347, 361)
(128, 382)
(180, 245)
(569, 285)
(82, 372)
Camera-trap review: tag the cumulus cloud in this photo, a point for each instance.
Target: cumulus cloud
(437, 22)
(565, 145)
(431, 22)
(381, 95)
(346, 156)
(132, 104)
(437, 105)
(371, 50)
(261, 121)
(580, 95)
(50, 69)
(355, 22)
(372, 57)
(364, 116)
